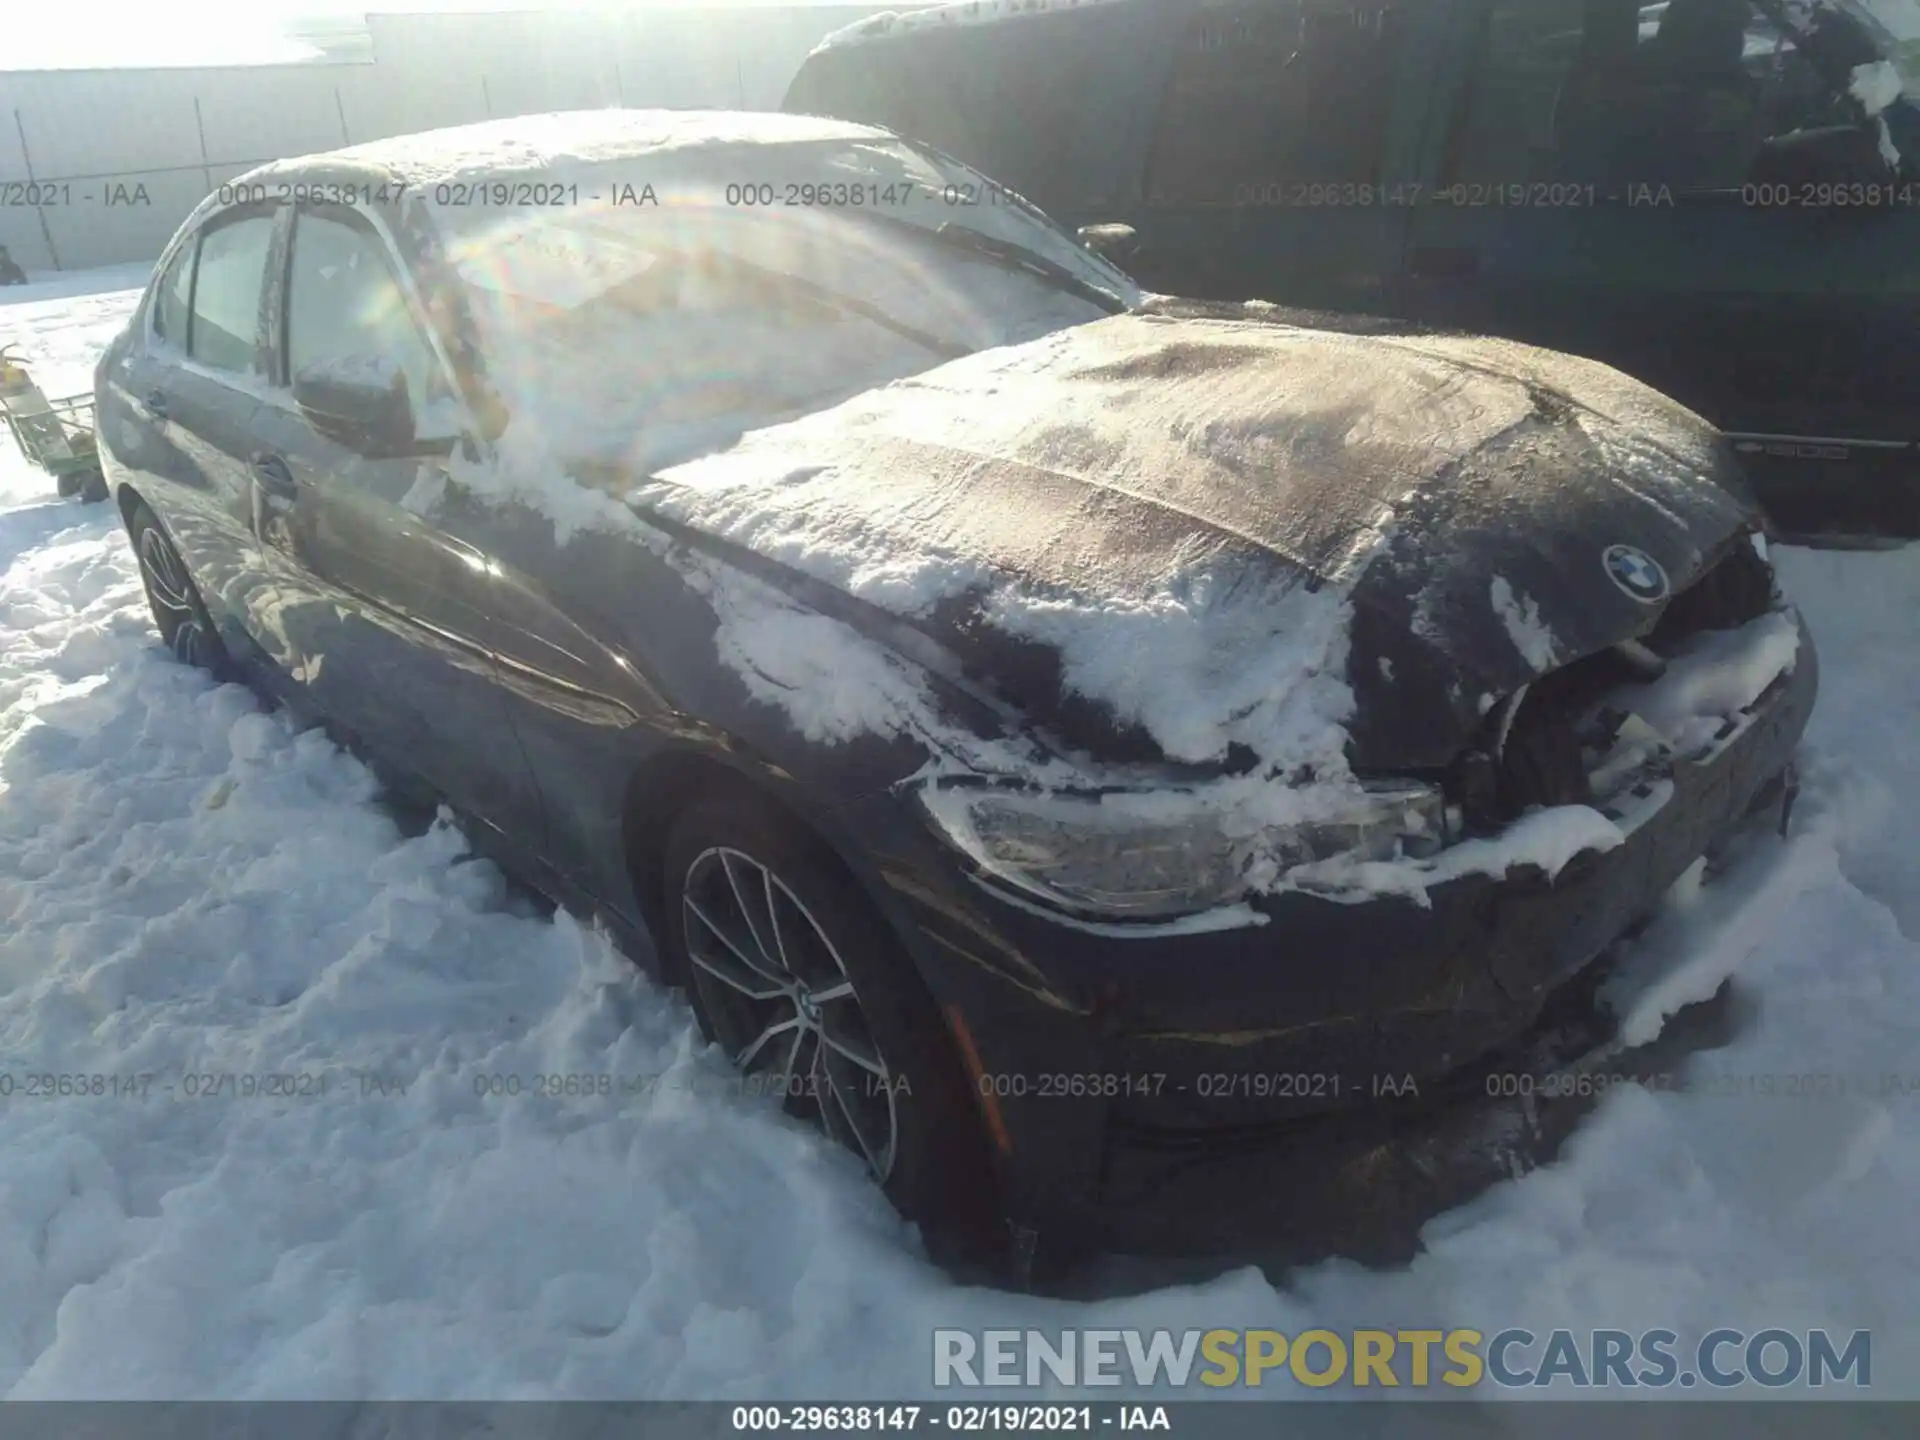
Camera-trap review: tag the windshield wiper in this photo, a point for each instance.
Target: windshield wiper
(1008, 255)
(1017, 257)
(847, 305)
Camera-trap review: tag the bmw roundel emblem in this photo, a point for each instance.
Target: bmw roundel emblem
(1637, 573)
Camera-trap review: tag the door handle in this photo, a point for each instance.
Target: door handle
(272, 474)
(1444, 262)
(157, 404)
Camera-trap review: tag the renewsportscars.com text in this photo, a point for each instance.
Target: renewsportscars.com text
(1454, 1359)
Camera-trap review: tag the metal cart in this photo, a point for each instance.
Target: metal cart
(57, 434)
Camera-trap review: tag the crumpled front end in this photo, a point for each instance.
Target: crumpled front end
(1607, 730)
(1380, 973)
(1347, 1131)
(1362, 997)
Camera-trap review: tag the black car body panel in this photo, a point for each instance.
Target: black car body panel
(566, 696)
(1408, 471)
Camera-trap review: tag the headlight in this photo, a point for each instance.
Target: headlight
(1144, 854)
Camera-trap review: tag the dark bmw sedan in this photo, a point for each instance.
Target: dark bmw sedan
(1086, 751)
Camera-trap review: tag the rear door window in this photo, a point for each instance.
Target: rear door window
(1616, 94)
(232, 273)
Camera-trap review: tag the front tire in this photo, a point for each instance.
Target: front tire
(178, 612)
(792, 972)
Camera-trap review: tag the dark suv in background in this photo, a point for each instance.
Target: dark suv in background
(1717, 196)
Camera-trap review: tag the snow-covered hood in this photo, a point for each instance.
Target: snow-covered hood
(1453, 500)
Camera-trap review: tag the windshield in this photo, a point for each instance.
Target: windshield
(649, 314)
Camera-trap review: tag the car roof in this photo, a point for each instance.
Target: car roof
(954, 15)
(560, 141)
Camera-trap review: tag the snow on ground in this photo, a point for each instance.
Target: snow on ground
(60, 322)
(189, 887)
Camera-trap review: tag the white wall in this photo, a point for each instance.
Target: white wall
(178, 133)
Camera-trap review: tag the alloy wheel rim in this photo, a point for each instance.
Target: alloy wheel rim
(166, 583)
(792, 1017)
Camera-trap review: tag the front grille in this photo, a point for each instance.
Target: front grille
(1540, 761)
(1737, 589)
(1541, 764)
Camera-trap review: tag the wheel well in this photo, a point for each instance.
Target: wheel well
(658, 792)
(126, 497)
(656, 795)
(669, 782)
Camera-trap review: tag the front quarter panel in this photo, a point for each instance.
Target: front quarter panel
(612, 667)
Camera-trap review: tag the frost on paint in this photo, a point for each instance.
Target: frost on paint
(1201, 650)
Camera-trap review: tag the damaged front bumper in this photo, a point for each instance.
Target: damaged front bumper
(1193, 1091)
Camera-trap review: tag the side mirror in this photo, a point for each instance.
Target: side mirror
(1110, 242)
(359, 401)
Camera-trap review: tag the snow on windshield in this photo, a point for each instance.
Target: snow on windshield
(649, 313)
